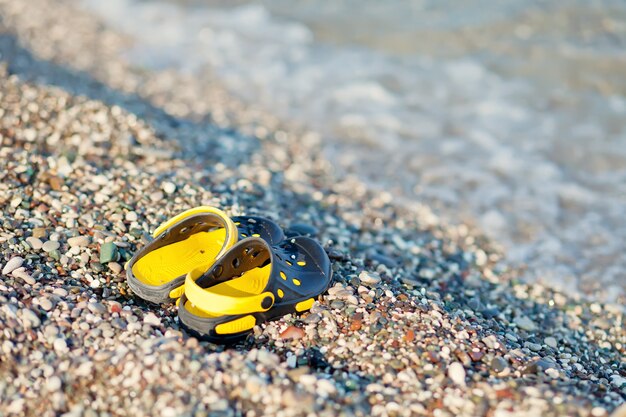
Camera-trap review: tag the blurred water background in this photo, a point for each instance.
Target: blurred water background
(510, 115)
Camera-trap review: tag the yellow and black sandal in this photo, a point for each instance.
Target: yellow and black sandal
(253, 282)
(190, 240)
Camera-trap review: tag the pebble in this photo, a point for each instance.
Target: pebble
(254, 385)
(292, 332)
(156, 196)
(491, 341)
(551, 342)
(292, 361)
(131, 216)
(535, 347)
(50, 245)
(97, 308)
(152, 319)
(168, 187)
(12, 265)
(53, 383)
(383, 259)
(525, 323)
(60, 345)
(108, 253)
(312, 318)
(115, 267)
(79, 241)
(456, 372)
(369, 278)
(46, 304)
(31, 318)
(34, 242)
(302, 229)
(498, 364)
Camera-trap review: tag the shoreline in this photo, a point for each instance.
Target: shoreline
(419, 313)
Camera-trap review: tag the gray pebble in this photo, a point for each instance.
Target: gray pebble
(499, 364)
(525, 323)
(97, 308)
(551, 342)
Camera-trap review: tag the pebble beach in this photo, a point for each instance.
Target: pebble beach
(422, 318)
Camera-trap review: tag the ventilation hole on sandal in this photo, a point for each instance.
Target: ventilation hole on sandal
(288, 263)
(302, 263)
(236, 263)
(202, 251)
(237, 223)
(251, 221)
(283, 276)
(280, 293)
(296, 281)
(184, 230)
(246, 251)
(244, 235)
(256, 235)
(255, 254)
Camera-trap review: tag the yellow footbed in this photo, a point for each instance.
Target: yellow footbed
(249, 284)
(172, 261)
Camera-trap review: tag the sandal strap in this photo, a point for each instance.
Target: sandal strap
(212, 303)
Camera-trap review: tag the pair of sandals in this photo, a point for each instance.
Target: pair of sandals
(228, 274)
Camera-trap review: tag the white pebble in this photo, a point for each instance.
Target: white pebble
(370, 278)
(34, 242)
(152, 319)
(456, 372)
(79, 241)
(60, 345)
(50, 245)
(12, 265)
(168, 187)
(54, 383)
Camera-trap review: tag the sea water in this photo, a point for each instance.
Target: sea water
(510, 115)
